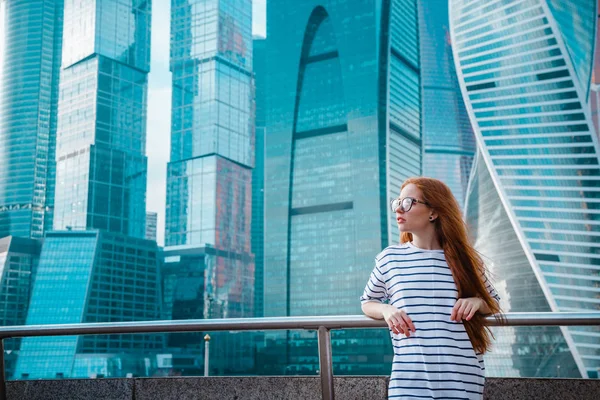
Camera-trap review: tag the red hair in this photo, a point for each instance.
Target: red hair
(465, 263)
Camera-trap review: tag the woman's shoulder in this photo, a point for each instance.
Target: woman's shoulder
(392, 251)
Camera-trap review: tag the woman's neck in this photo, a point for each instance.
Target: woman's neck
(426, 241)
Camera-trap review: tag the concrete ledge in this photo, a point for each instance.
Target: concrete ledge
(72, 389)
(278, 387)
(532, 388)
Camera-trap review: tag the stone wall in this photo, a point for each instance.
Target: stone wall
(267, 388)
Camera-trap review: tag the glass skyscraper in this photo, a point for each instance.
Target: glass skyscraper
(524, 67)
(93, 276)
(343, 131)
(28, 101)
(101, 135)
(209, 176)
(448, 142)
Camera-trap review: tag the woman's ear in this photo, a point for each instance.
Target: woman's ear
(433, 217)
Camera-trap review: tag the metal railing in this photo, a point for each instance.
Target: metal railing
(323, 325)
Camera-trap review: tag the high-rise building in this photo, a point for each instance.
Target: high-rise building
(32, 32)
(93, 276)
(151, 222)
(101, 135)
(258, 173)
(448, 142)
(343, 131)
(209, 176)
(18, 264)
(534, 203)
(97, 267)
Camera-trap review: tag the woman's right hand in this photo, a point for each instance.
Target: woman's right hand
(398, 320)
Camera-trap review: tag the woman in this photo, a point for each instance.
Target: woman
(433, 293)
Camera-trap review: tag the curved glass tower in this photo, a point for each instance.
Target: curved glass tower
(28, 108)
(448, 141)
(524, 67)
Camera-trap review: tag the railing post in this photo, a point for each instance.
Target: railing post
(325, 363)
(206, 353)
(2, 372)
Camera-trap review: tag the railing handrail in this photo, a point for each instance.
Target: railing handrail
(323, 325)
(278, 323)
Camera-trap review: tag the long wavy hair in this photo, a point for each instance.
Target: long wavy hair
(466, 264)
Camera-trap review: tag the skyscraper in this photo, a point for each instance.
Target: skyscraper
(99, 268)
(28, 102)
(101, 136)
(448, 142)
(92, 276)
(343, 131)
(209, 176)
(524, 68)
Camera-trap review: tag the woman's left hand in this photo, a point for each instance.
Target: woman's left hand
(465, 308)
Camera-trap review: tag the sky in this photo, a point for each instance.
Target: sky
(159, 105)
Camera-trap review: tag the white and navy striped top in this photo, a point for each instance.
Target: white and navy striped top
(438, 360)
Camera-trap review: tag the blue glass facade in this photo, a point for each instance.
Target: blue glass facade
(92, 276)
(524, 69)
(343, 130)
(448, 140)
(28, 103)
(209, 176)
(101, 162)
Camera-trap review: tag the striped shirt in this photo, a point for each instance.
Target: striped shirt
(438, 360)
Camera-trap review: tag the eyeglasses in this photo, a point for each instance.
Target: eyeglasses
(405, 204)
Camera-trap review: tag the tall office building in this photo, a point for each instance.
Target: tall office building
(101, 135)
(98, 268)
(343, 131)
(524, 68)
(93, 276)
(448, 142)
(151, 222)
(209, 176)
(28, 102)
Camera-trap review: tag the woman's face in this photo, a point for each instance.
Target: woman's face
(416, 219)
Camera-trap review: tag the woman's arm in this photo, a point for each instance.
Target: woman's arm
(397, 320)
(465, 308)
